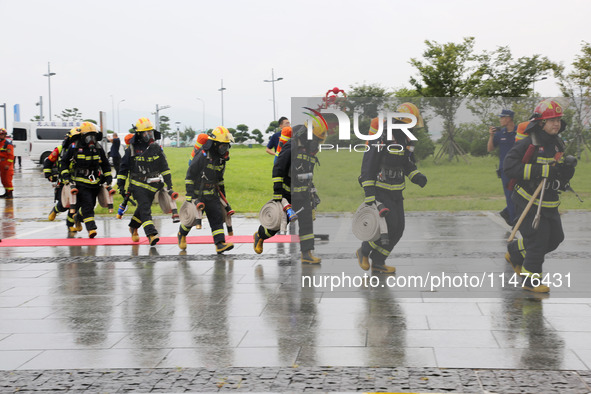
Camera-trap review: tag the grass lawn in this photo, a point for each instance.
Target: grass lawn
(452, 186)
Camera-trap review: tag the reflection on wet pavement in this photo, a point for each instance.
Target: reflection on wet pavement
(141, 307)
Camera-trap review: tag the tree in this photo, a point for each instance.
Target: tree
(241, 135)
(70, 115)
(447, 73)
(36, 118)
(258, 136)
(577, 86)
(187, 135)
(165, 128)
(272, 127)
(507, 83)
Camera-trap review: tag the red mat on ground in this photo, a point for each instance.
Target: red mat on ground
(202, 239)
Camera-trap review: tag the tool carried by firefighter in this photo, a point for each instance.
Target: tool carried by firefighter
(227, 212)
(69, 192)
(525, 211)
(123, 206)
(369, 223)
(105, 197)
(167, 201)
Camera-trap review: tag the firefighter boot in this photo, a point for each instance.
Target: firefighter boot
(153, 239)
(7, 194)
(222, 247)
(258, 243)
(182, 240)
(532, 282)
(381, 268)
(52, 214)
(362, 259)
(78, 223)
(91, 233)
(135, 237)
(309, 258)
(516, 267)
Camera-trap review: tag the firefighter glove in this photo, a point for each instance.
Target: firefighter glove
(544, 171)
(121, 186)
(420, 180)
(66, 178)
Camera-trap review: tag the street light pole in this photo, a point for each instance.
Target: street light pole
(178, 134)
(273, 80)
(222, 90)
(157, 113)
(49, 75)
(203, 104)
(113, 111)
(118, 119)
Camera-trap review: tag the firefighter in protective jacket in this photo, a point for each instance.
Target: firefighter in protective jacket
(52, 169)
(532, 159)
(86, 165)
(204, 184)
(297, 158)
(6, 164)
(385, 165)
(146, 167)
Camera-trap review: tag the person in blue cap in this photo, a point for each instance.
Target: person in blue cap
(504, 138)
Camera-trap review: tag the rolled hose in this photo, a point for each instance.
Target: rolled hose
(366, 223)
(188, 214)
(270, 215)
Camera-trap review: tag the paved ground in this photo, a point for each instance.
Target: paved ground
(135, 318)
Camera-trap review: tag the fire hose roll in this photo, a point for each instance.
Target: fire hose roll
(270, 215)
(165, 201)
(66, 196)
(188, 214)
(103, 197)
(366, 223)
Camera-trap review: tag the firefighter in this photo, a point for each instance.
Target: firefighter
(146, 167)
(299, 154)
(534, 158)
(86, 165)
(205, 181)
(384, 167)
(6, 164)
(51, 170)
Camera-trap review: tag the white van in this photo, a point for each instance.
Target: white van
(38, 139)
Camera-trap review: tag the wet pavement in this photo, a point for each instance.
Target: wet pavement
(135, 318)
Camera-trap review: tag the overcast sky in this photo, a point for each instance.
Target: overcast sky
(171, 52)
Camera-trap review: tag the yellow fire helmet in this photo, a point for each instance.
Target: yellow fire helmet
(73, 132)
(143, 124)
(221, 134)
(318, 129)
(410, 108)
(87, 127)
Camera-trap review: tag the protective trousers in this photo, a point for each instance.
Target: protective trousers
(377, 250)
(6, 175)
(305, 220)
(143, 213)
(529, 251)
(86, 201)
(215, 217)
